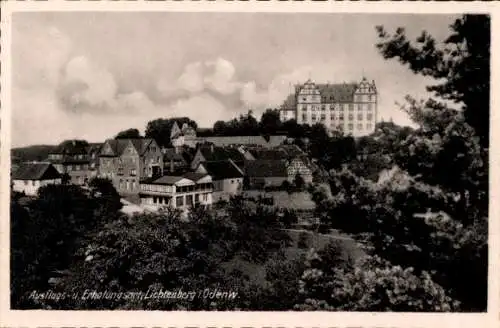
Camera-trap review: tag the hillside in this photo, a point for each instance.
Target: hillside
(31, 153)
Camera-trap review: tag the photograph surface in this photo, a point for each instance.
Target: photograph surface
(249, 161)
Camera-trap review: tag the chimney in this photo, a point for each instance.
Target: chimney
(171, 165)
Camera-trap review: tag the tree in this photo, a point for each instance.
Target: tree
(270, 122)
(45, 233)
(462, 61)
(219, 128)
(376, 285)
(160, 129)
(128, 134)
(299, 182)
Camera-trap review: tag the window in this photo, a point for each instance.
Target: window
(313, 117)
(351, 117)
(189, 200)
(179, 201)
(368, 126)
(323, 117)
(332, 117)
(232, 181)
(304, 117)
(304, 108)
(25, 182)
(350, 126)
(351, 106)
(369, 117)
(360, 127)
(360, 117)
(341, 117)
(133, 172)
(323, 107)
(120, 171)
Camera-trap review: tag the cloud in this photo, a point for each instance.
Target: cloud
(39, 55)
(203, 108)
(85, 85)
(212, 75)
(278, 89)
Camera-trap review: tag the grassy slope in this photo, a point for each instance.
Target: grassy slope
(31, 153)
(257, 272)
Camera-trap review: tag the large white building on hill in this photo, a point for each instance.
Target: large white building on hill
(347, 107)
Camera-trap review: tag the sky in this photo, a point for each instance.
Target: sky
(90, 75)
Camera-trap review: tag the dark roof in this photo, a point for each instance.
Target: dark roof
(119, 145)
(221, 170)
(221, 154)
(290, 102)
(35, 171)
(194, 176)
(268, 154)
(171, 154)
(71, 147)
(233, 140)
(266, 168)
(164, 180)
(343, 92)
(94, 147)
(292, 150)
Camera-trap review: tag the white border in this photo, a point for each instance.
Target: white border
(248, 319)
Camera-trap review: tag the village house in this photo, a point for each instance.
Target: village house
(93, 151)
(176, 191)
(211, 153)
(224, 141)
(173, 161)
(184, 136)
(227, 178)
(126, 161)
(296, 161)
(274, 172)
(71, 158)
(29, 177)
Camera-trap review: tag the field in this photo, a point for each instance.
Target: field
(257, 272)
(282, 199)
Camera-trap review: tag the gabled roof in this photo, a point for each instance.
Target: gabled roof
(266, 168)
(234, 140)
(94, 147)
(268, 154)
(290, 102)
(171, 154)
(119, 145)
(35, 171)
(194, 176)
(71, 147)
(164, 180)
(221, 154)
(220, 170)
(342, 92)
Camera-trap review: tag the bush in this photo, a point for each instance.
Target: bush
(305, 240)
